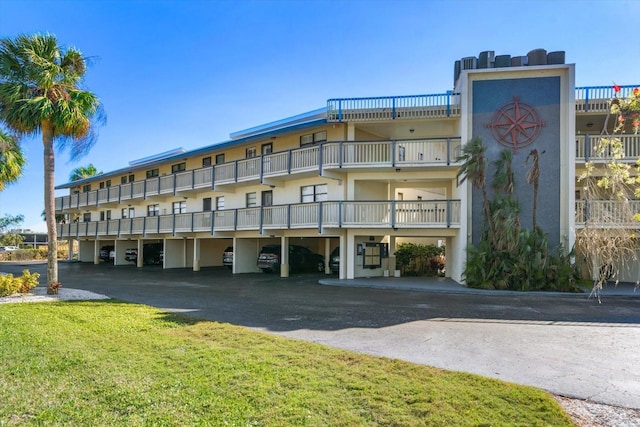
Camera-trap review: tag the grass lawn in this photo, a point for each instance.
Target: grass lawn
(112, 363)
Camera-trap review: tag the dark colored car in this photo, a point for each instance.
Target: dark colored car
(227, 257)
(107, 253)
(300, 259)
(334, 260)
(153, 253)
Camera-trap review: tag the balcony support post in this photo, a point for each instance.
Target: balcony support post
(393, 214)
(448, 151)
(393, 153)
(586, 148)
(448, 213)
(320, 218)
(261, 218)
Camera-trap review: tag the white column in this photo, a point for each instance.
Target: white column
(196, 254)
(96, 251)
(139, 262)
(327, 255)
(284, 257)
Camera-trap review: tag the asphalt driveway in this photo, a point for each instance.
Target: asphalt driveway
(566, 344)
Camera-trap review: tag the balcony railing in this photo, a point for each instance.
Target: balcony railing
(588, 99)
(596, 99)
(586, 147)
(607, 214)
(313, 216)
(415, 153)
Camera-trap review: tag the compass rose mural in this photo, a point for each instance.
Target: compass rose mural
(515, 124)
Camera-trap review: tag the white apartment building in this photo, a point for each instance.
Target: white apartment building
(364, 174)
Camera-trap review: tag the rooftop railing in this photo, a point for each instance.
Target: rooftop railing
(320, 215)
(443, 105)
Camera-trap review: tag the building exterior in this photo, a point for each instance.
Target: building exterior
(364, 174)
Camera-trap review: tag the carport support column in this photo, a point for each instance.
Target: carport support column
(392, 255)
(284, 257)
(327, 256)
(350, 254)
(96, 251)
(70, 249)
(196, 254)
(139, 260)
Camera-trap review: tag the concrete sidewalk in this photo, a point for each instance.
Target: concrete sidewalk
(446, 285)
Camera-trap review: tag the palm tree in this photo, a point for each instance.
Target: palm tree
(473, 167)
(82, 172)
(40, 94)
(11, 159)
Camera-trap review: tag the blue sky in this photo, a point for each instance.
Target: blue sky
(187, 73)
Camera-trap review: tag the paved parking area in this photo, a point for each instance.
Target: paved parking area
(567, 344)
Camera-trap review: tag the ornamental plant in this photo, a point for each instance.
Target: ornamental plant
(611, 187)
(10, 285)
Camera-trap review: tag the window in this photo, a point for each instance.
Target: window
(179, 207)
(219, 159)
(153, 210)
(86, 217)
(123, 180)
(313, 138)
(132, 178)
(127, 213)
(179, 167)
(206, 161)
(101, 184)
(266, 148)
(86, 188)
(220, 203)
(313, 193)
(153, 172)
(108, 183)
(251, 200)
(250, 152)
(105, 215)
(206, 204)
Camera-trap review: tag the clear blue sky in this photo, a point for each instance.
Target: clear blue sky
(187, 73)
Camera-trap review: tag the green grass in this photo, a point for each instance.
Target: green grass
(111, 363)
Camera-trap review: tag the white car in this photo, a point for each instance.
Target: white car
(9, 248)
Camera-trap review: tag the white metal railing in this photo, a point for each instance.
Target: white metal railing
(224, 220)
(586, 147)
(225, 173)
(167, 184)
(275, 217)
(607, 213)
(248, 219)
(248, 169)
(345, 154)
(184, 180)
(203, 178)
(305, 159)
(329, 214)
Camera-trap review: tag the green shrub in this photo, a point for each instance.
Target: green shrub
(10, 285)
(419, 260)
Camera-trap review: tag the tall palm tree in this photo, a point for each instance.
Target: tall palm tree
(40, 94)
(11, 159)
(82, 172)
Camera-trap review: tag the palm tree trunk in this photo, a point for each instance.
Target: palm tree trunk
(49, 206)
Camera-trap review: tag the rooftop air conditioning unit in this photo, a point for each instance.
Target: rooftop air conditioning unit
(486, 59)
(469, 63)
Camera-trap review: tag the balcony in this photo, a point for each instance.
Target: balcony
(586, 148)
(607, 214)
(387, 214)
(589, 99)
(345, 156)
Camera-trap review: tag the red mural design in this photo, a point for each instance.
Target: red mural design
(515, 124)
